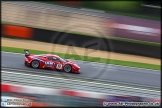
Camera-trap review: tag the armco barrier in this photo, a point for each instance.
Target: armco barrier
(83, 41)
(79, 41)
(56, 18)
(17, 31)
(67, 97)
(59, 18)
(103, 43)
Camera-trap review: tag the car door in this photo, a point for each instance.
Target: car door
(49, 63)
(58, 64)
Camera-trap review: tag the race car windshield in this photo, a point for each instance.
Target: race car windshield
(63, 60)
(40, 55)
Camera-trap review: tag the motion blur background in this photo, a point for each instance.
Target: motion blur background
(133, 27)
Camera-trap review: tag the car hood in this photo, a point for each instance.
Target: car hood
(70, 62)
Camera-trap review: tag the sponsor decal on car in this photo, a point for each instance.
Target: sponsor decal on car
(39, 59)
(49, 63)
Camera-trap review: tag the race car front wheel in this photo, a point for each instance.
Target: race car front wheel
(25, 63)
(35, 64)
(67, 68)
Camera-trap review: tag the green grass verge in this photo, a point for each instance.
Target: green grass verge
(85, 58)
(110, 37)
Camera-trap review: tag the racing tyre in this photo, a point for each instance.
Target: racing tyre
(67, 68)
(25, 63)
(35, 64)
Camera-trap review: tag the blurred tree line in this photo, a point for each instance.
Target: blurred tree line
(128, 8)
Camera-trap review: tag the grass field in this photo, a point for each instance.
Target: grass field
(86, 58)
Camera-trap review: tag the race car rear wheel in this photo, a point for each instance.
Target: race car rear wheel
(35, 64)
(67, 68)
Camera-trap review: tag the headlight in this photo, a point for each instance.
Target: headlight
(26, 59)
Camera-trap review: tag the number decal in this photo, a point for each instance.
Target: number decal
(59, 66)
(49, 63)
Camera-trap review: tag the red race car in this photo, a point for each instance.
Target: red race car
(50, 61)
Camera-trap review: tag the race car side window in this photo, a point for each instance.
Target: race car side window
(56, 59)
(50, 58)
(53, 58)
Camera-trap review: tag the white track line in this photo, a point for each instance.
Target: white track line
(81, 81)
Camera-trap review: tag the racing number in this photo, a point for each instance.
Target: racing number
(59, 66)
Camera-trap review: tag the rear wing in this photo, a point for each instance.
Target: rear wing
(26, 52)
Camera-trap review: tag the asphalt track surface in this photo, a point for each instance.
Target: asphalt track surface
(94, 70)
